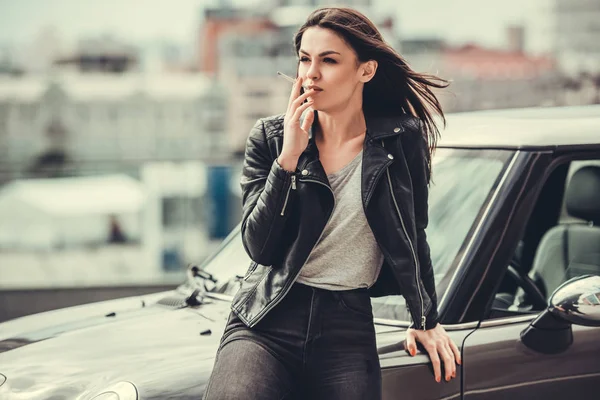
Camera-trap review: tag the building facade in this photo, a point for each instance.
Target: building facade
(95, 119)
(577, 36)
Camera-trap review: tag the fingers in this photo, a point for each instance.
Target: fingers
(295, 91)
(437, 354)
(435, 360)
(299, 111)
(456, 352)
(300, 100)
(411, 345)
(441, 349)
(449, 364)
(308, 120)
(296, 97)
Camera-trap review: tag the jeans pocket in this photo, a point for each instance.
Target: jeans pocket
(358, 303)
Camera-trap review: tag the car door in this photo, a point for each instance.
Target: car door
(498, 365)
(406, 377)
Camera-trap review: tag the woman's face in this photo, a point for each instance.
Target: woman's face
(328, 62)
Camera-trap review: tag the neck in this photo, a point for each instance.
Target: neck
(337, 128)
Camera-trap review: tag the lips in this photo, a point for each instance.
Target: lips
(316, 88)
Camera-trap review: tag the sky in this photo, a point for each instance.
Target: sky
(457, 21)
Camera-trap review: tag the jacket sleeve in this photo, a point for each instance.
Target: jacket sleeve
(266, 188)
(418, 163)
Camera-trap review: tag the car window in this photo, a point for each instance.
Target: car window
(462, 182)
(573, 167)
(582, 238)
(228, 264)
(557, 249)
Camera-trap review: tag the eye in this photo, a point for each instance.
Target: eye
(303, 59)
(329, 60)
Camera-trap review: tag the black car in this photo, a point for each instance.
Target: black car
(515, 243)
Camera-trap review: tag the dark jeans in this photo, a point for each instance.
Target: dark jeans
(315, 344)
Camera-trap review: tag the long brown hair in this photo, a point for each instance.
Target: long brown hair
(396, 88)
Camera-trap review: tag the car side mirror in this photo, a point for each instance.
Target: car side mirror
(576, 301)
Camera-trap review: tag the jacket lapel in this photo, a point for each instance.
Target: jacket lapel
(376, 158)
(308, 163)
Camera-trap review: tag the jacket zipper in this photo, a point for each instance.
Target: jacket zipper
(287, 196)
(412, 249)
(282, 295)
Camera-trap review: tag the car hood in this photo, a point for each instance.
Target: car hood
(157, 342)
(76, 352)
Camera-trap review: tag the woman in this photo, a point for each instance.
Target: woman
(335, 207)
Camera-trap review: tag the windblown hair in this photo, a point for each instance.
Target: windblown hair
(395, 89)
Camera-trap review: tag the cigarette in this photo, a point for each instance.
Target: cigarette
(289, 78)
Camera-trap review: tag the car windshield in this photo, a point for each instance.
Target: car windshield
(461, 187)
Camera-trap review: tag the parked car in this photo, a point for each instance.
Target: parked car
(515, 243)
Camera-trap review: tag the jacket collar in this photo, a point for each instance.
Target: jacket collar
(375, 156)
(383, 127)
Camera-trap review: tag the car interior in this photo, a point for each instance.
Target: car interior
(561, 240)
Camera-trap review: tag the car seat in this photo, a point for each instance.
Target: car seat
(570, 250)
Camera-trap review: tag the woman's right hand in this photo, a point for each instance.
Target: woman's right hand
(295, 136)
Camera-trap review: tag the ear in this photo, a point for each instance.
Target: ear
(367, 70)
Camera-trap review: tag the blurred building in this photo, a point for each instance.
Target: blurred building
(486, 79)
(99, 112)
(107, 120)
(244, 49)
(164, 130)
(44, 214)
(482, 78)
(38, 55)
(577, 35)
(8, 65)
(103, 54)
(163, 55)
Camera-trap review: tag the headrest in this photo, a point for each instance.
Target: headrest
(583, 194)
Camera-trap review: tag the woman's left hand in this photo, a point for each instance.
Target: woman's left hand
(439, 346)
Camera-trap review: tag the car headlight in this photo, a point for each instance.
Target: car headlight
(119, 391)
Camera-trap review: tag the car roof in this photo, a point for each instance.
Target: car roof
(524, 128)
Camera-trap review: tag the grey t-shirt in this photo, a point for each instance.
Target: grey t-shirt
(347, 255)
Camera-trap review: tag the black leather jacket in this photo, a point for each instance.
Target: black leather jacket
(285, 213)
